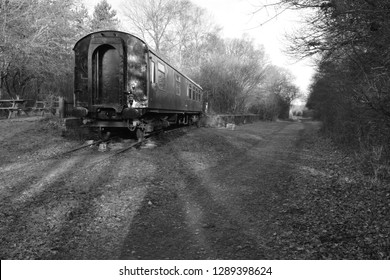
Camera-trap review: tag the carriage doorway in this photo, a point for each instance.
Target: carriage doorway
(106, 75)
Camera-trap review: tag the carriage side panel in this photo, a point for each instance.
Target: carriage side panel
(169, 90)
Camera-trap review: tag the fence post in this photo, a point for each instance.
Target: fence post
(61, 107)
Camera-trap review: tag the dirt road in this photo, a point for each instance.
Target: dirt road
(206, 194)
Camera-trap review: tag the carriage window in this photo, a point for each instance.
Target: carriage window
(178, 84)
(189, 94)
(161, 75)
(152, 72)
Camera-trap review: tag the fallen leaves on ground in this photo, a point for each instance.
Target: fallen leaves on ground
(331, 210)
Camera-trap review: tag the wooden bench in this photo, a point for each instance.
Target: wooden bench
(13, 106)
(10, 111)
(42, 107)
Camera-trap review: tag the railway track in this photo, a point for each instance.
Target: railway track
(120, 151)
(102, 141)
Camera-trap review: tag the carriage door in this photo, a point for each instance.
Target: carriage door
(106, 70)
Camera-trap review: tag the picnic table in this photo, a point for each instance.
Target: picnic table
(16, 106)
(13, 106)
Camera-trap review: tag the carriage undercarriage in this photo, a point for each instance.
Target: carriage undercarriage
(143, 126)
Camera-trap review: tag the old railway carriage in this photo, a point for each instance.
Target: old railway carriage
(120, 82)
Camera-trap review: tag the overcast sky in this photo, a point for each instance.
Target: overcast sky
(236, 18)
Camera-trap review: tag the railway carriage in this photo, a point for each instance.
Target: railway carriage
(120, 82)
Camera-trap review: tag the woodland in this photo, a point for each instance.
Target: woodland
(348, 41)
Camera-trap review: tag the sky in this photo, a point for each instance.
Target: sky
(236, 18)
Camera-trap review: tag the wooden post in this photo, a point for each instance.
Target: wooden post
(61, 107)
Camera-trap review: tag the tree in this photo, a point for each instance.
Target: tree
(36, 44)
(351, 91)
(104, 17)
(187, 35)
(357, 33)
(174, 28)
(280, 83)
(231, 76)
(152, 18)
(275, 94)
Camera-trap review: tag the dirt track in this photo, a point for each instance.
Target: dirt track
(206, 194)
